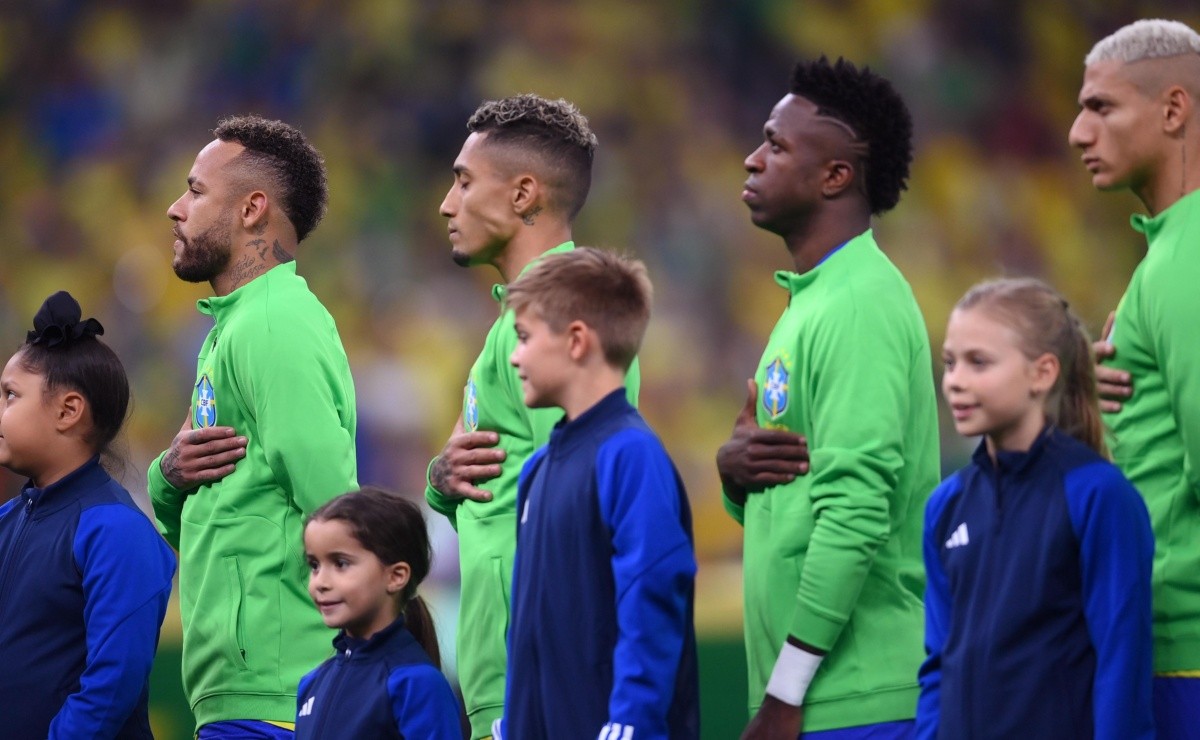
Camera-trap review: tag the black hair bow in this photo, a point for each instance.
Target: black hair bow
(58, 322)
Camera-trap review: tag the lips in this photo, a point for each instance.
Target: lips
(962, 410)
(327, 606)
(748, 192)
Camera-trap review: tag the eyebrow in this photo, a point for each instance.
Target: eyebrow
(460, 169)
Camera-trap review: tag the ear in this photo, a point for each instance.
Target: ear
(839, 175)
(1177, 109)
(579, 340)
(254, 211)
(70, 409)
(526, 195)
(1045, 370)
(397, 577)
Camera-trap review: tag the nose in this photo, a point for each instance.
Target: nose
(316, 581)
(175, 212)
(449, 204)
(950, 381)
(514, 359)
(753, 163)
(1080, 134)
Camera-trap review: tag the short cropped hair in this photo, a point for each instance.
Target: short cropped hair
(292, 166)
(551, 136)
(610, 293)
(1145, 39)
(872, 108)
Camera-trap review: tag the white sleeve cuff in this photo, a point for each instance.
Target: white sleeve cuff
(793, 672)
(498, 729)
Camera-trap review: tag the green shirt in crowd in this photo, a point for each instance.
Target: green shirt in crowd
(274, 369)
(834, 557)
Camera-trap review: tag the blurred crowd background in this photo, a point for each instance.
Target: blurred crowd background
(103, 106)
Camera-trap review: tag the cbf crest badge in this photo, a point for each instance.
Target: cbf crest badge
(775, 388)
(470, 406)
(204, 413)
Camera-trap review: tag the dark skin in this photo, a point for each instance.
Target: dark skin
(803, 185)
(755, 458)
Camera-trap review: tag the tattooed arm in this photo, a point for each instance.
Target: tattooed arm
(196, 456)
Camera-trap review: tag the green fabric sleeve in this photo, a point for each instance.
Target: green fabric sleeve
(860, 359)
(737, 511)
(167, 501)
(291, 378)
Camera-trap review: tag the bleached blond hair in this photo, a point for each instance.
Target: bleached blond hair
(1153, 38)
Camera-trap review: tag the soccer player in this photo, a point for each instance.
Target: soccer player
(1139, 130)
(832, 562)
(602, 642)
(269, 436)
(521, 177)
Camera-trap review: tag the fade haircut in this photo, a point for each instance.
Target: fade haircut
(874, 111)
(1153, 38)
(608, 292)
(551, 137)
(292, 167)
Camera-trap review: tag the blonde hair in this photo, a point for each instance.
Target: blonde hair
(1145, 39)
(608, 292)
(1045, 323)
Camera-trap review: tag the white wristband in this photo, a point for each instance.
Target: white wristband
(793, 672)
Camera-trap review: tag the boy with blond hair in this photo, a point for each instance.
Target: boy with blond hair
(601, 642)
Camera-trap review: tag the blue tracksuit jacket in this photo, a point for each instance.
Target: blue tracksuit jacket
(601, 637)
(1037, 605)
(84, 583)
(383, 687)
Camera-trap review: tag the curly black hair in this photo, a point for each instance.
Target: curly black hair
(281, 153)
(869, 105)
(552, 133)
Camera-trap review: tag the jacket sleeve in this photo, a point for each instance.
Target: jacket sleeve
(167, 501)
(296, 383)
(1116, 549)
(937, 614)
(654, 569)
(127, 572)
(856, 456)
(423, 704)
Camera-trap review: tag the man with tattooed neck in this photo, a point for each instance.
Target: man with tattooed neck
(269, 433)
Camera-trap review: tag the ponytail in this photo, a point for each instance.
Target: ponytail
(1045, 323)
(419, 622)
(1078, 412)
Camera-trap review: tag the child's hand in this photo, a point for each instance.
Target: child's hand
(468, 458)
(199, 456)
(755, 458)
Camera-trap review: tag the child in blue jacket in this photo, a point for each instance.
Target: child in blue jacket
(1039, 552)
(601, 642)
(84, 576)
(367, 552)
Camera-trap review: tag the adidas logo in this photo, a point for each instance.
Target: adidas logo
(307, 708)
(959, 537)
